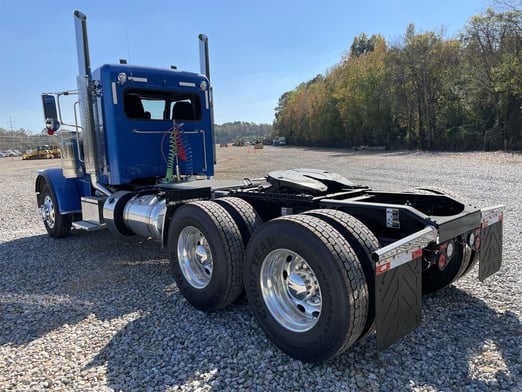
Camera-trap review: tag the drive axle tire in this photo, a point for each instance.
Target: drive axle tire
(364, 243)
(57, 225)
(206, 255)
(243, 213)
(306, 287)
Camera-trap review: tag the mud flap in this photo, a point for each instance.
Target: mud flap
(398, 286)
(490, 257)
(398, 302)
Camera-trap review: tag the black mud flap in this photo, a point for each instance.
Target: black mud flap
(398, 302)
(490, 257)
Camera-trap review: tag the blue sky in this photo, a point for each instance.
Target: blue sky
(258, 49)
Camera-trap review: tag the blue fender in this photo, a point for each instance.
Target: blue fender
(67, 191)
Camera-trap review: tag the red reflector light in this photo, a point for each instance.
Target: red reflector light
(442, 261)
(416, 254)
(477, 243)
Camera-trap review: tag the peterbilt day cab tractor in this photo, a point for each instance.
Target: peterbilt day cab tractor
(323, 262)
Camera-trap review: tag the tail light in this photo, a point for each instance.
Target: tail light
(443, 260)
(445, 254)
(474, 239)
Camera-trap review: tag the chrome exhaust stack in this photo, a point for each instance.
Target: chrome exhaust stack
(204, 66)
(93, 162)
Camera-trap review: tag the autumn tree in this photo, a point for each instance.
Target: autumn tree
(361, 93)
(424, 92)
(492, 47)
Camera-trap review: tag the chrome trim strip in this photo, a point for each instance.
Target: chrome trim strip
(403, 250)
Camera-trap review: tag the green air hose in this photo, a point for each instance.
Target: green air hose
(173, 156)
(170, 161)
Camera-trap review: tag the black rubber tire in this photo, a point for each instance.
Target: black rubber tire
(339, 275)
(226, 247)
(57, 225)
(473, 260)
(243, 213)
(363, 242)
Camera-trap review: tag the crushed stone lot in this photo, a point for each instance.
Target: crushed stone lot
(98, 312)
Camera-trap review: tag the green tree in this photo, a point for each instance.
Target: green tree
(425, 92)
(363, 45)
(420, 71)
(492, 47)
(362, 95)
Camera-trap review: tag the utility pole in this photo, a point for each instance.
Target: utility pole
(12, 131)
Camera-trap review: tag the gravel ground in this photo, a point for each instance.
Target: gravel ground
(95, 312)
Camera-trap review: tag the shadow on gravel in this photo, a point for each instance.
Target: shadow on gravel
(46, 284)
(176, 345)
(462, 343)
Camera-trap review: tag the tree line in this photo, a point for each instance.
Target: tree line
(230, 132)
(425, 92)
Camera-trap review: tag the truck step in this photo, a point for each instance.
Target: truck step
(87, 225)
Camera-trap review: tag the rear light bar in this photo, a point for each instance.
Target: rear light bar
(404, 250)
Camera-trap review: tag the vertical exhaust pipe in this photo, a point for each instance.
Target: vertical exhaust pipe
(204, 66)
(92, 156)
(82, 45)
(204, 62)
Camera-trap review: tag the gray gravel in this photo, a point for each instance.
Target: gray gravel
(95, 312)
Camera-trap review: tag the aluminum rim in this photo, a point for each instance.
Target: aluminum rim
(290, 290)
(47, 210)
(195, 257)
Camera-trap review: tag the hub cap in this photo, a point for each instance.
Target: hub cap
(47, 211)
(290, 290)
(195, 257)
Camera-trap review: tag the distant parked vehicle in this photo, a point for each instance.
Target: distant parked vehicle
(55, 150)
(40, 152)
(13, 153)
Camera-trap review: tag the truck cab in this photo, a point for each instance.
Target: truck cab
(141, 114)
(135, 127)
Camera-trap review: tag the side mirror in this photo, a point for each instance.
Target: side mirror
(50, 113)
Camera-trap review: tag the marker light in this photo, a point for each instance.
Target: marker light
(122, 77)
(471, 239)
(474, 239)
(450, 249)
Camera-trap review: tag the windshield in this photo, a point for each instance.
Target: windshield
(161, 105)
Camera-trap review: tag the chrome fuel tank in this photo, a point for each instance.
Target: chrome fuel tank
(145, 215)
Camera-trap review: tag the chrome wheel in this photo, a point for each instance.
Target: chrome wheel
(195, 257)
(290, 290)
(206, 254)
(306, 287)
(48, 212)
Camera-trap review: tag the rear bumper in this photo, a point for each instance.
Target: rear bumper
(398, 272)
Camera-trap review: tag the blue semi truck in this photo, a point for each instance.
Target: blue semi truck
(323, 262)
